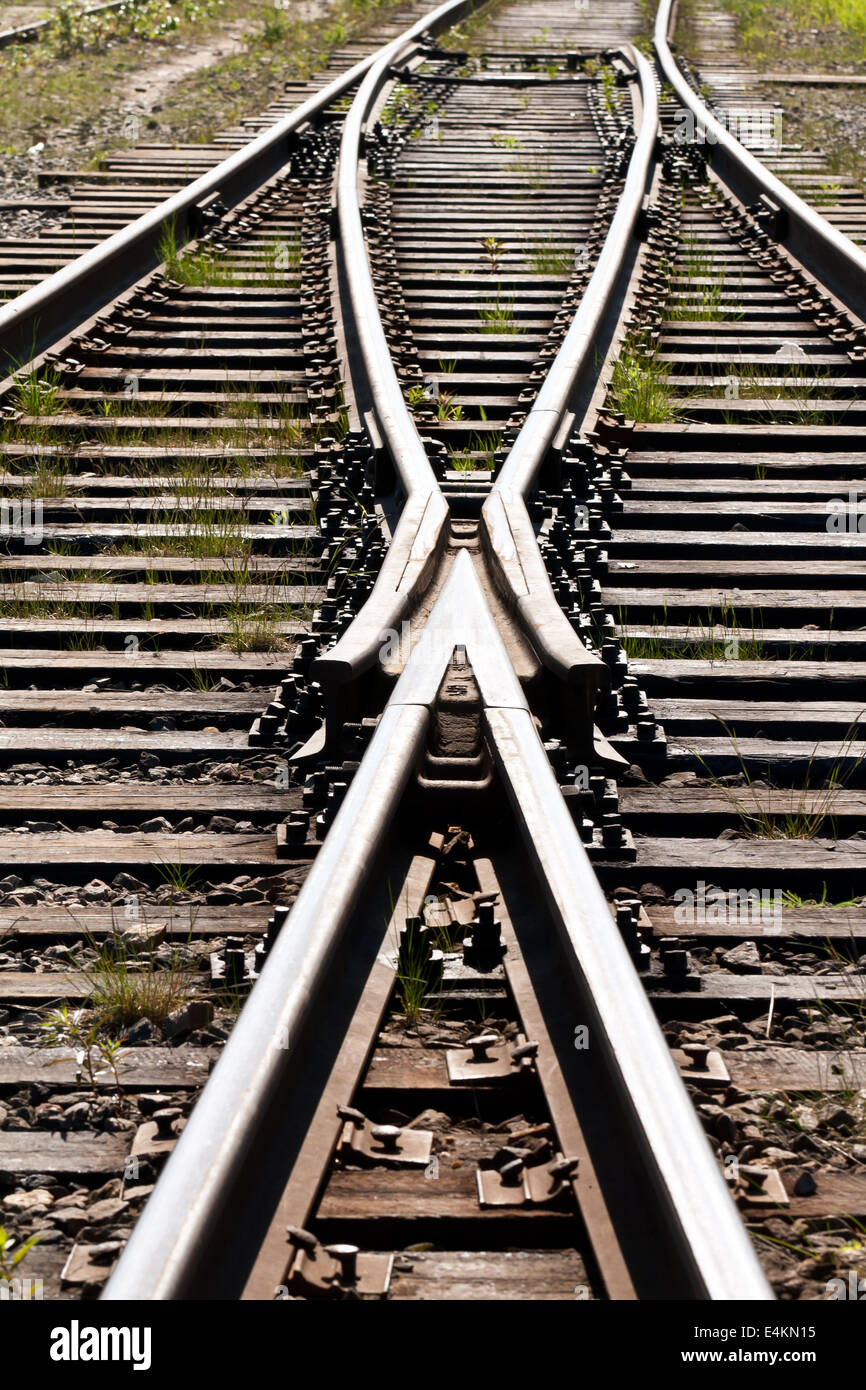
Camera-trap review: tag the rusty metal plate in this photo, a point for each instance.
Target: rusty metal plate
(757, 1189)
(386, 1145)
(148, 1143)
(91, 1264)
(485, 1058)
(543, 1184)
(316, 1274)
(709, 1072)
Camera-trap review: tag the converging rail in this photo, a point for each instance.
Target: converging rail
(505, 411)
(174, 1251)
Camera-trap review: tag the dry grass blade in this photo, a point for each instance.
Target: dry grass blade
(811, 807)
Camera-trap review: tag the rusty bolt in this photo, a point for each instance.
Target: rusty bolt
(387, 1136)
(347, 1258)
(480, 1045)
(675, 962)
(697, 1054)
(356, 1117)
(165, 1120)
(301, 1239)
(512, 1173)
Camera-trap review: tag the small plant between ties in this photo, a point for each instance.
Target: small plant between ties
(65, 1028)
(9, 1262)
(640, 386)
(810, 809)
(497, 315)
(493, 250)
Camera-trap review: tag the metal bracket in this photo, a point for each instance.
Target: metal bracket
(770, 217)
(336, 1271)
(515, 1185)
(614, 843)
(702, 1066)
(386, 1145)
(487, 1058)
(91, 1264)
(158, 1136)
(757, 1189)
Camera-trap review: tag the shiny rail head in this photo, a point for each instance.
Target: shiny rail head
(509, 540)
(188, 1208)
(420, 532)
(822, 248)
(574, 361)
(508, 532)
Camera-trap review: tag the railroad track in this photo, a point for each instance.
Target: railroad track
(753, 104)
(29, 33)
(502, 470)
(82, 207)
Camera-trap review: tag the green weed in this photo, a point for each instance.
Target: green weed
(497, 315)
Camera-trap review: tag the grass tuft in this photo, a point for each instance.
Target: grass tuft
(639, 387)
(497, 315)
(809, 812)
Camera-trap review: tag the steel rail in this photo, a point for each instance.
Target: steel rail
(161, 1260)
(830, 255)
(194, 1193)
(574, 357)
(509, 533)
(193, 1196)
(32, 322)
(25, 33)
(717, 1260)
(420, 529)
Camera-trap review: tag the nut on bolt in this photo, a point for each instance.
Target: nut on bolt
(611, 830)
(675, 959)
(511, 1173)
